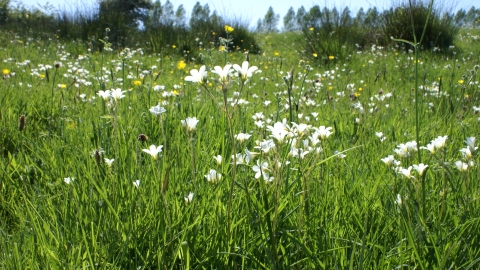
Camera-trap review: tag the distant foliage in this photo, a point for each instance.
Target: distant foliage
(269, 23)
(440, 31)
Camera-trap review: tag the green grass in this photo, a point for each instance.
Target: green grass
(323, 211)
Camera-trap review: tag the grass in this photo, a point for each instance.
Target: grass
(339, 206)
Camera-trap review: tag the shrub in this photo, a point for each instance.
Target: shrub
(328, 33)
(440, 31)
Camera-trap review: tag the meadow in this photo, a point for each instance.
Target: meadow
(124, 159)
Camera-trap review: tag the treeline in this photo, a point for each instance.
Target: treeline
(372, 18)
(157, 26)
(154, 25)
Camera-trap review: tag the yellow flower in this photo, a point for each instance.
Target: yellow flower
(181, 65)
(315, 54)
(331, 57)
(137, 82)
(357, 94)
(175, 93)
(360, 89)
(174, 46)
(330, 87)
(461, 81)
(311, 28)
(5, 71)
(276, 53)
(63, 86)
(42, 76)
(228, 29)
(222, 48)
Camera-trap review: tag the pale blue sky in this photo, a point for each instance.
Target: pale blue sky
(252, 10)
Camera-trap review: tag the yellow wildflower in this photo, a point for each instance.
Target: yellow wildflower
(181, 65)
(174, 46)
(276, 53)
(315, 54)
(461, 81)
(222, 48)
(311, 28)
(330, 87)
(357, 94)
(228, 29)
(5, 71)
(137, 82)
(331, 57)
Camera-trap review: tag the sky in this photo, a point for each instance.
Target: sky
(252, 10)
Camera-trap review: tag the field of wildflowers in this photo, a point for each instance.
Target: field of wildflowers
(118, 159)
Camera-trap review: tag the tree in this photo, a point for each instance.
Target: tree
(128, 12)
(168, 15)
(360, 18)
(471, 16)
(460, 17)
(289, 22)
(4, 11)
(200, 16)
(269, 22)
(372, 18)
(180, 17)
(300, 17)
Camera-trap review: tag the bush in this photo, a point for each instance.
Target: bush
(440, 31)
(328, 33)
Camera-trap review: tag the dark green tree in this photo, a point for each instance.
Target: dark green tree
(300, 17)
(269, 22)
(289, 22)
(130, 13)
(180, 17)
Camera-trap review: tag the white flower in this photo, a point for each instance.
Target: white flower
(407, 172)
(260, 170)
(68, 180)
(466, 153)
(104, 94)
(157, 110)
(241, 137)
(239, 157)
(430, 147)
(249, 155)
(388, 160)
(153, 150)
(461, 166)
(266, 146)
(244, 72)
(439, 142)
(223, 73)
(213, 176)
(398, 201)
(218, 159)
(470, 141)
(190, 123)
(198, 76)
(109, 162)
(189, 198)
(420, 168)
(323, 132)
(136, 183)
(117, 94)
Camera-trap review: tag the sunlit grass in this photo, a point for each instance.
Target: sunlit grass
(309, 187)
